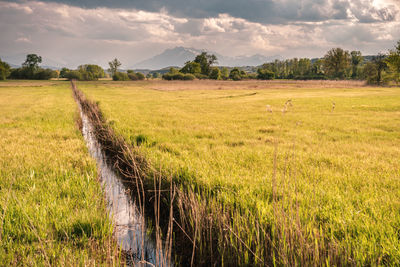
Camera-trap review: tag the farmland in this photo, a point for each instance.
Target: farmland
(51, 204)
(264, 172)
(310, 180)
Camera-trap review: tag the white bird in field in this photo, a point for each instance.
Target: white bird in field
(268, 108)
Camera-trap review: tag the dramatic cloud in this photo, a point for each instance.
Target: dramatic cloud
(263, 11)
(88, 31)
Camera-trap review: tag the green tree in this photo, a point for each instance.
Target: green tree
(5, 70)
(114, 65)
(64, 72)
(32, 61)
(91, 72)
(265, 74)
(31, 65)
(381, 65)
(393, 61)
(370, 72)
(235, 74)
(224, 73)
(215, 73)
(45, 74)
(120, 76)
(191, 67)
(206, 61)
(336, 62)
(356, 60)
(317, 67)
(140, 76)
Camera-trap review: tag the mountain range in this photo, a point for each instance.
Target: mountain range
(178, 56)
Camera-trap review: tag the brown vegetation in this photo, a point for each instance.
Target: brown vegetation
(249, 84)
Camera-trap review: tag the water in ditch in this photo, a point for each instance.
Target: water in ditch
(129, 224)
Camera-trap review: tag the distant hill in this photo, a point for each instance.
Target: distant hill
(178, 56)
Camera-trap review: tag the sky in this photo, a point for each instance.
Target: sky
(74, 32)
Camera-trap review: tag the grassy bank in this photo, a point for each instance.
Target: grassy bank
(313, 182)
(51, 204)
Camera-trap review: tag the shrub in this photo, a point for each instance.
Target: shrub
(189, 77)
(264, 74)
(215, 74)
(132, 76)
(156, 75)
(73, 75)
(91, 72)
(201, 76)
(235, 74)
(4, 70)
(120, 76)
(252, 76)
(64, 72)
(140, 76)
(45, 74)
(177, 76)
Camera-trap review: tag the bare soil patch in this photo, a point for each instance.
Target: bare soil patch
(250, 84)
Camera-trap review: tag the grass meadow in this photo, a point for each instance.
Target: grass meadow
(52, 210)
(312, 180)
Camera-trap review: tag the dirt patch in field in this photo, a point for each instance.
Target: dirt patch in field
(19, 83)
(250, 85)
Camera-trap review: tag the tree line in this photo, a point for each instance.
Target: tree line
(336, 64)
(30, 70)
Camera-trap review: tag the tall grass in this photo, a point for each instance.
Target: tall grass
(52, 210)
(311, 186)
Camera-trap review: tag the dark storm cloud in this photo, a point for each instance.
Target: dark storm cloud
(263, 11)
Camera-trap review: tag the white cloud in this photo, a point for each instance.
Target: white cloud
(23, 40)
(77, 35)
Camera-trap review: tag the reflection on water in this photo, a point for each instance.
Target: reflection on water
(128, 222)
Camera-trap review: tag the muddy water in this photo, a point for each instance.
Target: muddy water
(129, 225)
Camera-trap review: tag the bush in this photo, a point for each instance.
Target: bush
(189, 77)
(167, 76)
(177, 76)
(252, 76)
(91, 72)
(38, 74)
(264, 74)
(21, 73)
(5, 70)
(310, 77)
(45, 74)
(73, 75)
(83, 73)
(215, 74)
(140, 76)
(64, 72)
(135, 76)
(120, 76)
(235, 74)
(201, 76)
(132, 76)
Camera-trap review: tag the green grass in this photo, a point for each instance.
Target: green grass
(337, 181)
(52, 210)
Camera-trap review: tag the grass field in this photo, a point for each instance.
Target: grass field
(318, 180)
(51, 204)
